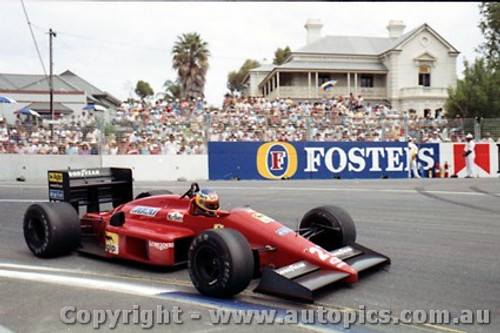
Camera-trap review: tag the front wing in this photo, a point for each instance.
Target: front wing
(299, 280)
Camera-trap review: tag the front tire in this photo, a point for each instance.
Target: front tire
(220, 262)
(51, 229)
(330, 227)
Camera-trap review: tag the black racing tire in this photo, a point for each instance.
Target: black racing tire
(51, 229)
(152, 193)
(337, 226)
(220, 262)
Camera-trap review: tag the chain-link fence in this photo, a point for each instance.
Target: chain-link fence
(188, 133)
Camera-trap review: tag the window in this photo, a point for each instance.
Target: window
(322, 78)
(367, 81)
(424, 76)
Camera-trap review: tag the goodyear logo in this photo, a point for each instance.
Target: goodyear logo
(55, 177)
(83, 173)
(276, 160)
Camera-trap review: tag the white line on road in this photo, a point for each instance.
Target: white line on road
(88, 283)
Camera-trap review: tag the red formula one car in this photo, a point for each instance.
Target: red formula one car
(224, 250)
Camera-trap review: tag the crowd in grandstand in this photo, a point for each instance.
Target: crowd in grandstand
(181, 127)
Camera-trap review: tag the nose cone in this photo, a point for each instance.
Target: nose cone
(343, 267)
(353, 277)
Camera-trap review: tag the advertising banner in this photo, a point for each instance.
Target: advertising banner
(315, 160)
(486, 161)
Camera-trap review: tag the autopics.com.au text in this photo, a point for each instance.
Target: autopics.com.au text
(161, 315)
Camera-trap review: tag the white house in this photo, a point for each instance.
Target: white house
(406, 70)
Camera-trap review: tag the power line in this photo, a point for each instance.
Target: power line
(33, 37)
(125, 44)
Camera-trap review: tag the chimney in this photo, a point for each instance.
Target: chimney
(396, 28)
(313, 27)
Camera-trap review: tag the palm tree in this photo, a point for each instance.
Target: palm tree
(190, 59)
(173, 90)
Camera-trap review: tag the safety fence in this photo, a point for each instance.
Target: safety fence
(189, 135)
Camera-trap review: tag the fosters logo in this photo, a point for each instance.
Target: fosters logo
(276, 160)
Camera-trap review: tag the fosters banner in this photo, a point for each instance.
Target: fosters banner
(314, 160)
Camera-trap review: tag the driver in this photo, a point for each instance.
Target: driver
(206, 202)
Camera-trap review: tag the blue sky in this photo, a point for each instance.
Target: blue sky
(115, 44)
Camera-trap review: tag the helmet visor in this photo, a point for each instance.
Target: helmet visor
(211, 205)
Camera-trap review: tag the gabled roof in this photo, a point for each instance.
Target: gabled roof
(77, 81)
(98, 95)
(357, 45)
(67, 82)
(347, 45)
(263, 68)
(33, 82)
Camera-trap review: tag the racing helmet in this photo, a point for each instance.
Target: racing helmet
(207, 200)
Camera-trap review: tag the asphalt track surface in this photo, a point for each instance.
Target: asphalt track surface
(443, 236)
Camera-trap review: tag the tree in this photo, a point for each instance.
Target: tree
(235, 78)
(281, 55)
(190, 59)
(490, 28)
(477, 94)
(173, 90)
(143, 89)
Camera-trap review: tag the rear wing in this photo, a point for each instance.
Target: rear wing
(91, 187)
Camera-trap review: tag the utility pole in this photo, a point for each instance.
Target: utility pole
(51, 65)
(51, 85)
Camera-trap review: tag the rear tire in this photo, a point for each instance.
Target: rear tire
(51, 229)
(152, 193)
(220, 262)
(336, 225)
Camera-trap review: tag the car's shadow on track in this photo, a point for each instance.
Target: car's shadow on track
(329, 290)
(422, 191)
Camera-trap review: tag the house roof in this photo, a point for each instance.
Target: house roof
(33, 82)
(358, 45)
(65, 82)
(82, 84)
(263, 68)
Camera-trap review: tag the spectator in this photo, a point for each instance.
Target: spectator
(72, 149)
(470, 155)
(487, 138)
(170, 147)
(434, 137)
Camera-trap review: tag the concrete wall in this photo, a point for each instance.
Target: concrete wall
(161, 167)
(145, 168)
